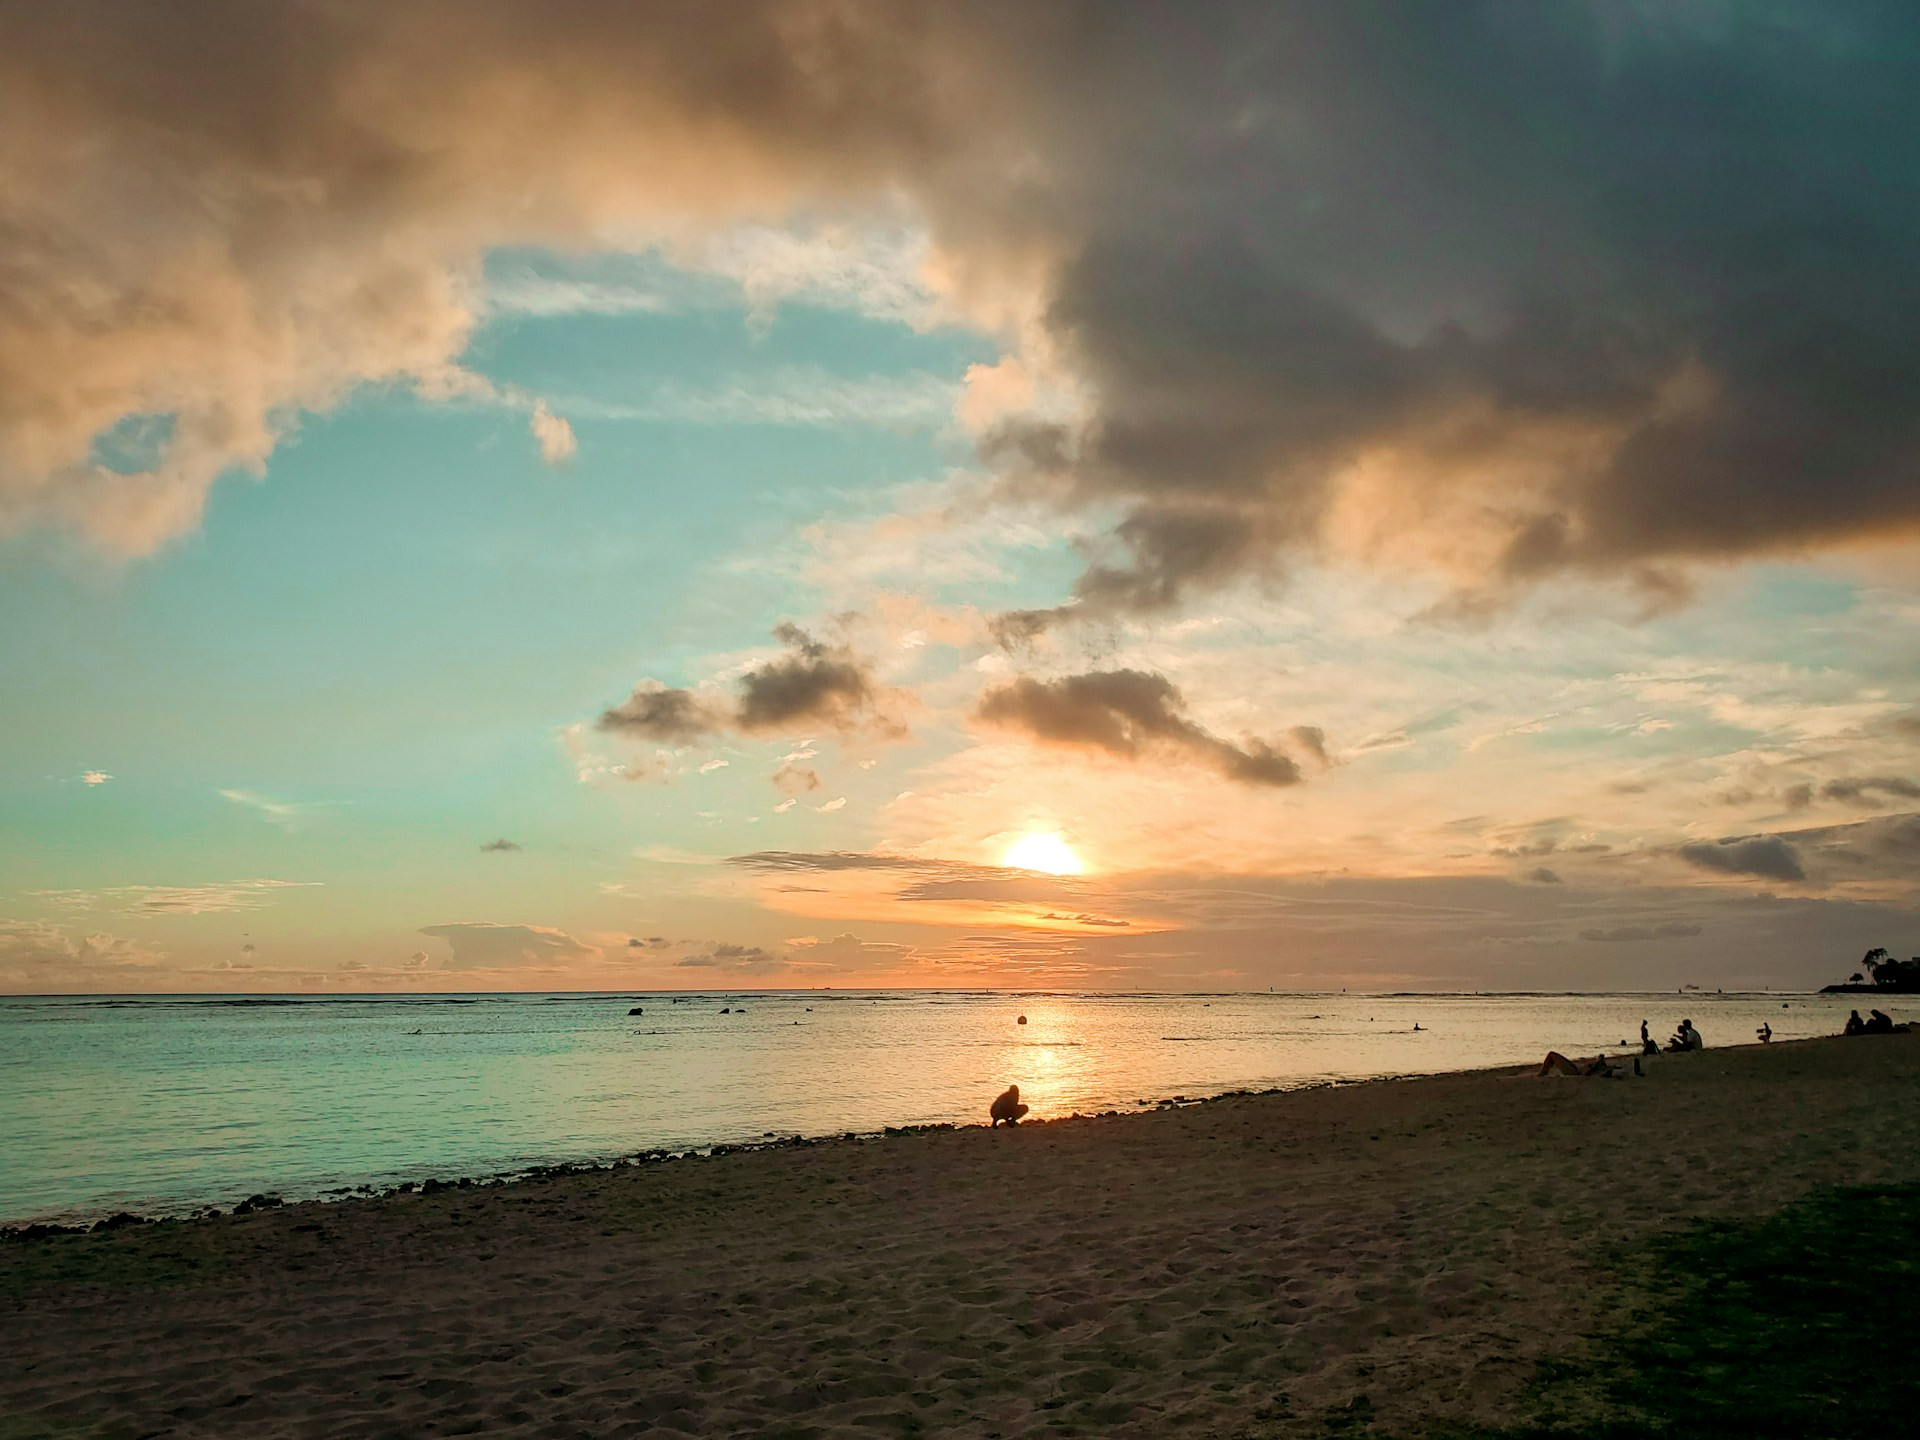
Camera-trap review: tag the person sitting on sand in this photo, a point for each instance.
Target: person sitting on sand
(1647, 1045)
(1007, 1107)
(1855, 1025)
(1686, 1038)
(1879, 1023)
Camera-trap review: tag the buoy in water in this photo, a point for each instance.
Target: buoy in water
(1021, 1021)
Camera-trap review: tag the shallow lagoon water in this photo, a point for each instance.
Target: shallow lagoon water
(164, 1104)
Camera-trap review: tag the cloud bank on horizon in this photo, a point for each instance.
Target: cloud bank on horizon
(1335, 338)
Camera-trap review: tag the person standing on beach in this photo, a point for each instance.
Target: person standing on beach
(1647, 1045)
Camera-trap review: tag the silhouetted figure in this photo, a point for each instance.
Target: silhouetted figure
(1007, 1107)
(1765, 1032)
(1648, 1046)
(1855, 1025)
(1686, 1038)
(1598, 1068)
(1879, 1023)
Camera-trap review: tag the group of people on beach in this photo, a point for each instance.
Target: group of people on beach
(1008, 1110)
(1877, 1023)
(1685, 1038)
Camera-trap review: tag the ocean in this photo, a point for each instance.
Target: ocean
(162, 1105)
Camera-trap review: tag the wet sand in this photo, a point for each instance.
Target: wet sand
(1244, 1267)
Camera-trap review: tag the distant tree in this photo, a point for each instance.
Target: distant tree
(1889, 973)
(1856, 978)
(1905, 974)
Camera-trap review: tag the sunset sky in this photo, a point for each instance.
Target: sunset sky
(579, 495)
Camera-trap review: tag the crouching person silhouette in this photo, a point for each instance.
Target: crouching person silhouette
(1008, 1107)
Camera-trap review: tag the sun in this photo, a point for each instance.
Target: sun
(1045, 852)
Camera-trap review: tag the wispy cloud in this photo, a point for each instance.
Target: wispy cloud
(792, 396)
(95, 777)
(875, 270)
(287, 813)
(527, 291)
(210, 899)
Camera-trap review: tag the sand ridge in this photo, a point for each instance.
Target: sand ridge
(1238, 1268)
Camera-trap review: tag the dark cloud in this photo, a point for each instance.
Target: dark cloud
(1883, 852)
(1885, 848)
(1871, 790)
(1653, 308)
(814, 685)
(1312, 741)
(1541, 875)
(668, 716)
(803, 860)
(1622, 934)
(499, 847)
(747, 958)
(1768, 856)
(796, 779)
(1127, 714)
(652, 942)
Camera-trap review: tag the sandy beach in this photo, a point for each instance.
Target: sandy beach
(1246, 1267)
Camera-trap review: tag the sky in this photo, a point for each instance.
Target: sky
(499, 496)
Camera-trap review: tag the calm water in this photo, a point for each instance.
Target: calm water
(162, 1105)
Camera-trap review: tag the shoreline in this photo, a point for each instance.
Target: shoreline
(145, 1182)
(25, 1232)
(106, 1219)
(285, 998)
(1255, 1264)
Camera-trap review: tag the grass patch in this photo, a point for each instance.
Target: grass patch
(1801, 1325)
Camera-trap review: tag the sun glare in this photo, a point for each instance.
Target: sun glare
(1047, 853)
